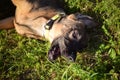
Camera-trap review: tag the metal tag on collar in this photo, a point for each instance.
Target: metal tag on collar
(50, 22)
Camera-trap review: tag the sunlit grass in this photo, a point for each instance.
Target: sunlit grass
(24, 58)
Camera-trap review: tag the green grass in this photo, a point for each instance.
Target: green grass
(24, 58)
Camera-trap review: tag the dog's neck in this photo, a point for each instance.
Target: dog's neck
(51, 21)
(48, 26)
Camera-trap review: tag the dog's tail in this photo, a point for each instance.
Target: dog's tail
(7, 23)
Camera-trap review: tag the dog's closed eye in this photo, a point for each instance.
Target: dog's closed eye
(75, 35)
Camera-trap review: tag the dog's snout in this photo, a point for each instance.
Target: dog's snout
(70, 56)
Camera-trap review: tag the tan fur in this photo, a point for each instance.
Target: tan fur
(23, 15)
(7, 23)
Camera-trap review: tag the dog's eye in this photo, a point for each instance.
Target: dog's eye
(75, 35)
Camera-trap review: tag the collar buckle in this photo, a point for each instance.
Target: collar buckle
(50, 22)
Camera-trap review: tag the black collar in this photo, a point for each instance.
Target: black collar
(50, 22)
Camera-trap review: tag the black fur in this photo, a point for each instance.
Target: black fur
(55, 4)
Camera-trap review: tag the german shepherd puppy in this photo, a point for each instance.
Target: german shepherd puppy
(46, 18)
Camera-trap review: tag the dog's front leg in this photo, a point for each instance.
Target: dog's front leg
(7, 23)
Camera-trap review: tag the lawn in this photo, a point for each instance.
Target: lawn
(24, 58)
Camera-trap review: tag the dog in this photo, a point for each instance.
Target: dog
(47, 18)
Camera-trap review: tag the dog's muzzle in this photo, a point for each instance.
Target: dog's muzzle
(65, 46)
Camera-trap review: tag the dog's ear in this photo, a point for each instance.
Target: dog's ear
(16, 2)
(71, 17)
(87, 20)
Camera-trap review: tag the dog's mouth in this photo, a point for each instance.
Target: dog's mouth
(54, 53)
(59, 48)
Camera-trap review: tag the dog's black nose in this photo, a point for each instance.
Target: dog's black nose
(72, 57)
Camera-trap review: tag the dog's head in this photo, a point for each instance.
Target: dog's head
(73, 37)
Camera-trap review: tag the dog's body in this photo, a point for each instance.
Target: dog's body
(67, 32)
